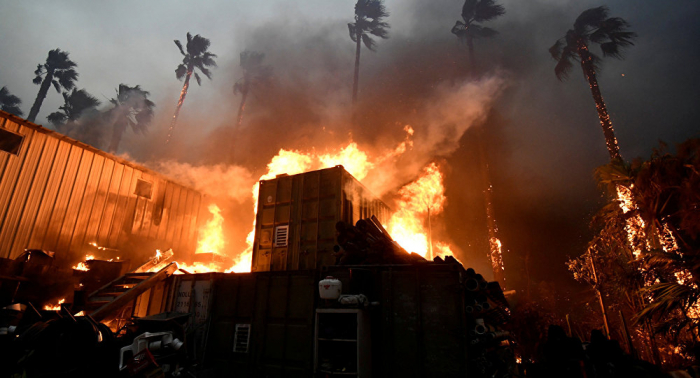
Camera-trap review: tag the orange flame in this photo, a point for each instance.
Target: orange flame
(211, 234)
(420, 200)
(82, 266)
(55, 307)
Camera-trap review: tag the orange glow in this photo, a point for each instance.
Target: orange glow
(211, 234)
(55, 307)
(420, 200)
(82, 266)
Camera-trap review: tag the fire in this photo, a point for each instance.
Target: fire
(82, 266)
(211, 235)
(420, 200)
(55, 307)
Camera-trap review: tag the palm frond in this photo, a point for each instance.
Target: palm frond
(468, 10)
(369, 42)
(486, 10)
(56, 85)
(199, 80)
(590, 18)
(460, 30)
(353, 32)
(180, 72)
(564, 64)
(556, 49)
(67, 78)
(39, 70)
(179, 46)
(205, 71)
(37, 80)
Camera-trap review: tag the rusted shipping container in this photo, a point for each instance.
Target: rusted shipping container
(59, 194)
(295, 223)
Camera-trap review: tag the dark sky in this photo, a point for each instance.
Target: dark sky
(544, 139)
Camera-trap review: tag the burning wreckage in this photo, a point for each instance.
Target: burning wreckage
(330, 292)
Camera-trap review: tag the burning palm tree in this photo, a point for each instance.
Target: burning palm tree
(74, 105)
(9, 102)
(197, 57)
(132, 108)
(593, 26)
(368, 21)
(58, 70)
(255, 74)
(475, 12)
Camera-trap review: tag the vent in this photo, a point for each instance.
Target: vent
(10, 142)
(281, 236)
(143, 188)
(242, 338)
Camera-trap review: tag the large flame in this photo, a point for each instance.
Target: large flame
(419, 201)
(211, 234)
(55, 307)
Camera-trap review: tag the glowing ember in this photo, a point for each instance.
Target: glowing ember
(421, 199)
(81, 313)
(55, 307)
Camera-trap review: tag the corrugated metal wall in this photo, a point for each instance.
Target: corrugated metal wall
(59, 194)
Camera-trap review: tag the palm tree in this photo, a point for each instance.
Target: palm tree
(473, 13)
(9, 102)
(198, 57)
(368, 20)
(132, 108)
(74, 105)
(255, 74)
(593, 26)
(58, 70)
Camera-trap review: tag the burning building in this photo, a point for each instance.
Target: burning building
(61, 195)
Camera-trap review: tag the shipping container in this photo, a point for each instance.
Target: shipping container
(297, 215)
(60, 195)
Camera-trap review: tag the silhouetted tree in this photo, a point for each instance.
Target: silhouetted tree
(9, 102)
(369, 16)
(593, 26)
(132, 108)
(197, 57)
(58, 71)
(74, 106)
(255, 74)
(475, 12)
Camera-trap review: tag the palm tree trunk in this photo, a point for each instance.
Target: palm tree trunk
(43, 90)
(605, 123)
(472, 61)
(495, 251)
(241, 107)
(183, 94)
(117, 132)
(356, 78)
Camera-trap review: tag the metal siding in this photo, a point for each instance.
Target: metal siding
(75, 201)
(174, 215)
(49, 195)
(60, 208)
(121, 211)
(163, 227)
(98, 208)
(11, 218)
(30, 213)
(59, 194)
(77, 242)
(110, 204)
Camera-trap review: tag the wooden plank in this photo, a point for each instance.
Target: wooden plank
(130, 295)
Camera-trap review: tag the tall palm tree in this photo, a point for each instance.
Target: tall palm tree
(255, 74)
(9, 102)
(58, 71)
(198, 57)
(368, 21)
(475, 12)
(132, 108)
(593, 26)
(74, 105)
